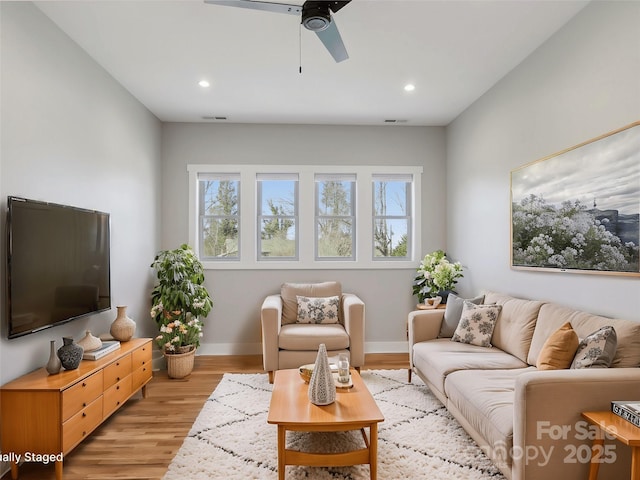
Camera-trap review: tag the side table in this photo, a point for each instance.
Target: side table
(622, 430)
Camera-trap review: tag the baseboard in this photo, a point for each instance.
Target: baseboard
(386, 347)
(256, 348)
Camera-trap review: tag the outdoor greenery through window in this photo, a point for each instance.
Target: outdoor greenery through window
(392, 218)
(219, 218)
(277, 219)
(335, 216)
(305, 217)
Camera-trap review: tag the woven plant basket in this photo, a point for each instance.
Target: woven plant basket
(179, 365)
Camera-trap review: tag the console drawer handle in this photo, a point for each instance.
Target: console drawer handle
(84, 384)
(84, 414)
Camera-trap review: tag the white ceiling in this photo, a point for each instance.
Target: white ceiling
(453, 51)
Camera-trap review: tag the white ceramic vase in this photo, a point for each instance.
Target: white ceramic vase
(322, 388)
(89, 343)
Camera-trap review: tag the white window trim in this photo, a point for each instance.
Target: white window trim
(306, 208)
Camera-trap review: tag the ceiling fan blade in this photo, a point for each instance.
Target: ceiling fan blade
(257, 5)
(332, 40)
(335, 6)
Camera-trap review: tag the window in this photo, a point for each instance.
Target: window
(391, 216)
(219, 216)
(305, 216)
(335, 220)
(278, 216)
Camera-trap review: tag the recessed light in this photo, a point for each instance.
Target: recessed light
(204, 83)
(409, 87)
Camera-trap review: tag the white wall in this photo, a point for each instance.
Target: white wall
(583, 82)
(71, 134)
(234, 324)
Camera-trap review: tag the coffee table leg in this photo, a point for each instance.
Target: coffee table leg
(373, 450)
(282, 437)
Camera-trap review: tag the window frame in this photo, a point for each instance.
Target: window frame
(248, 231)
(353, 180)
(260, 216)
(234, 177)
(395, 177)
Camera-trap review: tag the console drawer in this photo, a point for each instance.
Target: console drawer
(116, 395)
(81, 394)
(116, 371)
(141, 356)
(81, 424)
(141, 376)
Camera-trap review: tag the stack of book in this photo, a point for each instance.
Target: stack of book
(106, 348)
(630, 411)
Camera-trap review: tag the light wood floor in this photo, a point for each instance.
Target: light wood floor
(140, 440)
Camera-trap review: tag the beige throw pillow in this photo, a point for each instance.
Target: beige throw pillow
(558, 351)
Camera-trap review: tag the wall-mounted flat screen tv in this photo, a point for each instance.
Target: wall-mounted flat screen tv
(58, 264)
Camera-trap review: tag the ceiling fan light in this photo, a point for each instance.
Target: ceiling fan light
(316, 17)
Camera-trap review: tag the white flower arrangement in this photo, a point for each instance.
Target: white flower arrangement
(435, 274)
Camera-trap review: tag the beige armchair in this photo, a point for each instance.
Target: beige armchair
(289, 343)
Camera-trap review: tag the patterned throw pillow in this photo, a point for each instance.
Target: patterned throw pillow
(476, 324)
(453, 312)
(318, 309)
(597, 349)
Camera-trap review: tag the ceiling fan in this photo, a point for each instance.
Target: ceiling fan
(315, 16)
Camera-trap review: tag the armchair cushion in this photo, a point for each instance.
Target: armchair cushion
(290, 291)
(302, 336)
(318, 309)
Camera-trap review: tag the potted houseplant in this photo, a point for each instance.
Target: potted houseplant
(179, 303)
(436, 276)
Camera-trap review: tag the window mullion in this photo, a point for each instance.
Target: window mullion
(364, 216)
(306, 220)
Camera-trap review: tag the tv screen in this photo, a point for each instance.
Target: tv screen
(58, 264)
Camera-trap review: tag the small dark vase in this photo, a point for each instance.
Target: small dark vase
(445, 294)
(70, 354)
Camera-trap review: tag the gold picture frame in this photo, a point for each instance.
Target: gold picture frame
(578, 210)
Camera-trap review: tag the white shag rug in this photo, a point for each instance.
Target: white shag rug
(231, 438)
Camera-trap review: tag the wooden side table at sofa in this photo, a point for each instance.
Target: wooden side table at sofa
(46, 416)
(623, 431)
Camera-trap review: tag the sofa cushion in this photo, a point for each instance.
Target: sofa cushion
(559, 349)
(476, 324)
(514, 329)
(290, 291)
(597, 349)
(553, 316)
(484, 399)
(318, 309)
(437, 358)
(301, 336)
(453, 312)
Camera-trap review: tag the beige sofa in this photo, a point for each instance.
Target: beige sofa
(528, 420)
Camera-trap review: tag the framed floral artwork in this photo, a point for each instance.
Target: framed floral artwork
(579, 210)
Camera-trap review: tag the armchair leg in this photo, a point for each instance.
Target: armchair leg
(409, 372)
(271, 375)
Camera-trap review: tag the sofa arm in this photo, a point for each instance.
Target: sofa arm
(353, 309)
(550, 437)
(270, 319)
(424, 325)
